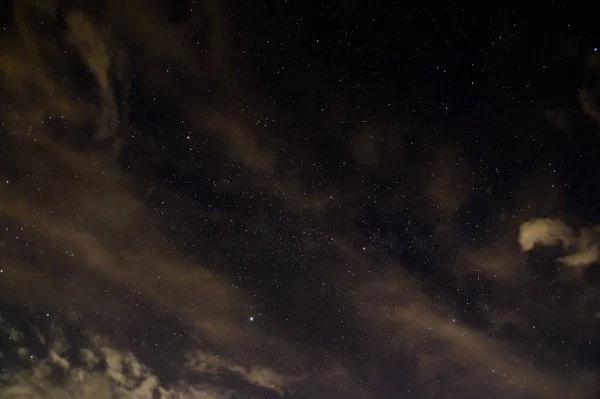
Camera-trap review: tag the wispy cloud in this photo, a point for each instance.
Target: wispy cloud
(457, 358)
(588, 94)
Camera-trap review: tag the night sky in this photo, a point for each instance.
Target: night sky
(242, 199)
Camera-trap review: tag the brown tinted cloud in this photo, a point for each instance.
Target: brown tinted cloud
(87, 236)
(457, 358)
(85, 246)
(588, 95)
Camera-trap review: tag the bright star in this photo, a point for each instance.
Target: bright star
(251, 318)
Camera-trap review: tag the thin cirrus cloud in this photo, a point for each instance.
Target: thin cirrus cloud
(105, 249)
(77, 210)
(588, 95)
(464, 360)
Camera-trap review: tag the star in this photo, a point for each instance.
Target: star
(251, 318)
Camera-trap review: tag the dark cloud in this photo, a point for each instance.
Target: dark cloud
(442, 341)
(559, 118)
(588, 95)
(176, 226)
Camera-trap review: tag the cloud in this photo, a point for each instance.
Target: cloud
(123, 376)
(366, 148)
(80, 225)
(100, 369)
(79, 208)
(454, 357)
(378, 144)
(447, 178)
(587, 100)
(78, 228)
(559, 118)
(77, 225)
(262, 377)
(226, 108)
(588, 95)
(545, 232)
(496, 260)
(549, 232)
(93, 48)
(238, 139)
